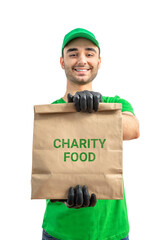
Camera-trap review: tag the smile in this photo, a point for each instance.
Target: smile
(81, 70)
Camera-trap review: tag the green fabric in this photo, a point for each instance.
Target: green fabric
(79, 32)
(108, 220)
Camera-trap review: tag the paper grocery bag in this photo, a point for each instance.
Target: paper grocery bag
(77, 148)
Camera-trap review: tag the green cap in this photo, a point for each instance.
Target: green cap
(79, 32)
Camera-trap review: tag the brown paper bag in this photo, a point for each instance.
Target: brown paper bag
(71, 148)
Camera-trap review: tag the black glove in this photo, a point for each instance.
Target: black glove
(79, 197)
(85, 100)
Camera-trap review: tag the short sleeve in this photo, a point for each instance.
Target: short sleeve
(126, 106)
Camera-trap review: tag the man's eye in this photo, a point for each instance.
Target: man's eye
(89, 54)
(72, 55)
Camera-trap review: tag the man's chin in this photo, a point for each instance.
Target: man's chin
(82, 81)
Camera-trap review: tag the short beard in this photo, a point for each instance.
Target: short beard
(79, 82)
(75, 80)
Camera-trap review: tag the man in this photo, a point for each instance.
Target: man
(82, 217)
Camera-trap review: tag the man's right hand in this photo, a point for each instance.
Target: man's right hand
(85, 100)
(79, 197)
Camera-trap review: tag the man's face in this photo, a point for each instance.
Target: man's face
(81, 61)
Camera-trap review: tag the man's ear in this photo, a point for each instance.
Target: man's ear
(99, 62)
(62, 62)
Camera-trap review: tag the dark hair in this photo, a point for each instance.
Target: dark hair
(63, 53)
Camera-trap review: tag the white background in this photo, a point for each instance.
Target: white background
(31, 35)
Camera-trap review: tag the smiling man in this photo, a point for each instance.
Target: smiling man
(82, 217)
(85, 70)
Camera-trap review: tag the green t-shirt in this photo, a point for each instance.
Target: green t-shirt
(107, 220)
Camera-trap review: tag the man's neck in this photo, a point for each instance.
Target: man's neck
(73, 88)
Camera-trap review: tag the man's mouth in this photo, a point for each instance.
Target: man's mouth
(81, 69)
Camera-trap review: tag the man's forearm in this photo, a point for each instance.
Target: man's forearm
(130, 126)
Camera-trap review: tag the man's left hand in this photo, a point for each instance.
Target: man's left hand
(85, 100)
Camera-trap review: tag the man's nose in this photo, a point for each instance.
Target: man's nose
(82, 59)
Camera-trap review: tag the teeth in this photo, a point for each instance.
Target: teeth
(81, 70)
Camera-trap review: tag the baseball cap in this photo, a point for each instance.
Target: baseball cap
(79, 32)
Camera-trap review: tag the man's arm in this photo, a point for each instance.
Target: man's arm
(130, 126)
